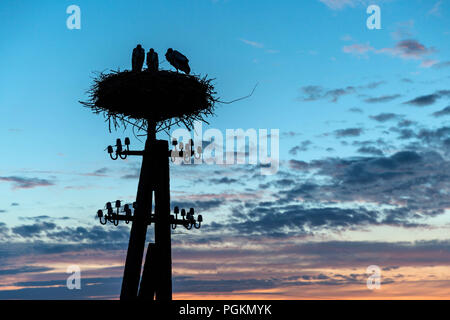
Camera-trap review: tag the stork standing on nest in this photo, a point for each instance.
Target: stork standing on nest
(137, 59)
(152, 60)
(178, 60)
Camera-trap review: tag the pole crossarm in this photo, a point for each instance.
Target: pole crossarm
(114, 217)
(119, 151)
(170, 153)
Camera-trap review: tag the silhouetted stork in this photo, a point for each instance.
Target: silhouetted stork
(178, 60)
(137, 58)
(152, 60)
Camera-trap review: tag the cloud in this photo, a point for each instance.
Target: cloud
(442, 65)
(404, 30)
(407, 49)
(4, 230)
(50, 231)
(95, 234)
(390, 268)
(438, 139)
(247, 265)
(98, 173)
(382, 99)
(423, 100)
(193, 284)
(14, 251)
(131, 176)
(370, 150)
(258, 45)
(132, 170)
(92, 288)
(443, 112)
(340, 4)
(252, 43)
(372, 147)
(383, 117)
(436, 9)
(427, 63)
(298, 165)
(200, 205)
(405, 123)
(412, 182)
(355, 110)
(223, 180)
(428, 99)
(401, 190)
(404, 134)
(27, 231)
(346, 37)
(349, 132)
(335, 94)
(190, 284)
(23, 269)
(27, 183)
(425, 140)
(315, 92)
(304, 146)
(43, 217)
(291, 134)
(277, 221)
(358, 49)
(356, 193)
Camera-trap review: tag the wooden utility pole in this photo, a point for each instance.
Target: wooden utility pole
(147, 288)
(162, 224)
(154, 181)
(136, 244)
(157, 277)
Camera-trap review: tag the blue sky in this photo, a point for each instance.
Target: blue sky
(345, 99)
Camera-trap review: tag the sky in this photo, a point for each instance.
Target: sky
(364, 148)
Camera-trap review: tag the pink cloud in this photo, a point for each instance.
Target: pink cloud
(252, 43)
(436, 9)
(357, 49)
(428, 63)
(408, 49)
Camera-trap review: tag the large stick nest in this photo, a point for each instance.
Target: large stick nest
(162, 98)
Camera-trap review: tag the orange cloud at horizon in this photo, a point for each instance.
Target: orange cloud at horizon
(292, 272)
(420, 290)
